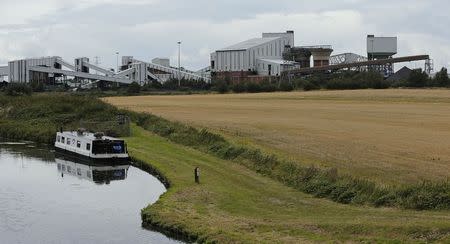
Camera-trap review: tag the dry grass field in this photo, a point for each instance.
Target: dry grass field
(390, 136)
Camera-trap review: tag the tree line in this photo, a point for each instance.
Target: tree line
(335, 81)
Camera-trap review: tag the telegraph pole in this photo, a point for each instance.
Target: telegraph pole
(179, 64)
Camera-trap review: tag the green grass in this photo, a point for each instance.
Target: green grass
(38, 117)
(235, 204)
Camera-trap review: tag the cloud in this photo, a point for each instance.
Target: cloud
(151, 28)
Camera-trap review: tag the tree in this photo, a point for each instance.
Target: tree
(134, 88)
(441, 79)
(220, 86)
(418, 78)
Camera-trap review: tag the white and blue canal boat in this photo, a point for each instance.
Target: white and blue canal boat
(91, 146)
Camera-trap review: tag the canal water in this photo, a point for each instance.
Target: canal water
(48, 199)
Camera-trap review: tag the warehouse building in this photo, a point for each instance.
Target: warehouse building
(262, 56)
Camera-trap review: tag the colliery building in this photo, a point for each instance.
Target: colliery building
(259, 55)
(51, 69)
(275, 54)
(269, 55)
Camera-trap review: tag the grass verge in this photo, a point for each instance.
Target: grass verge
(318, 182)
(234, 204)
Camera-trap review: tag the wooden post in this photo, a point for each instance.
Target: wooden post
(197, 175)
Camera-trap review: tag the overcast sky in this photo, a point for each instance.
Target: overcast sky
(151, 28)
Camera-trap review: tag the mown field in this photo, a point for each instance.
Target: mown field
(388, 136)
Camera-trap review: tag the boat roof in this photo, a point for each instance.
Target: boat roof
(87, 135)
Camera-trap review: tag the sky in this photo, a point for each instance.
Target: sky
(147, 29)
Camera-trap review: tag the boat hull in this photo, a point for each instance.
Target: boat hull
(62, 153)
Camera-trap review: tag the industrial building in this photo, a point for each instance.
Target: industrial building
(262, 56)
(275, 54)
(50, 69)
(381, 48)
(270, 55)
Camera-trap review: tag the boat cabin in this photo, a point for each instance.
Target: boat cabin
(92, 145)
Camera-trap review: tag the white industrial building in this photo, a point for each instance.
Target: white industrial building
(132, 70)
(263, 56)
(381, 48)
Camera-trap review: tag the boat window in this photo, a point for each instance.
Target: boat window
(88, 146)
(69, 169)
(108, 147)
(68, 141)
(63, 140)
(78, 144)
(58, 138)
(79, 171)
(73, 141)
(88, 174)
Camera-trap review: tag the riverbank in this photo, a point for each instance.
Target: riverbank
(233, 203)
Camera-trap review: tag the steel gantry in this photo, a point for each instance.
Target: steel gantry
(132, 70)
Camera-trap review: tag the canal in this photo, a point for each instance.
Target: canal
(48, 199)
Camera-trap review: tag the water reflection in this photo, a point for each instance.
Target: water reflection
(100, 174)
(28, 150)
(39, 193)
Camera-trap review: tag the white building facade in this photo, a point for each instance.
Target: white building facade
(261, 55)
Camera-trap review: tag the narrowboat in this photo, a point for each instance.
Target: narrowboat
(92, 146)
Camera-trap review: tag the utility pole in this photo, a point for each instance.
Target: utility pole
(179, 64)
(117, 62)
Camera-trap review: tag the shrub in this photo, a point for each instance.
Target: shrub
(220, 86)
(18, 89)
(418, 78)
(441, 79)
(134, 88)
(239, 87)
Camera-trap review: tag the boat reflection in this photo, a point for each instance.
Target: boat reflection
(98, 173)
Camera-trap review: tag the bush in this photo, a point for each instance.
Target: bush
(286, 86)
(418, 78)
(38, 117)
(220, 86)
(185, 84)
(441, 79)
(18, 89)
(239, 87)
(134, 88)
(37, 86)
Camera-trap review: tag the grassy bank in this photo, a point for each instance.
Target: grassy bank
(38, 117)
(323, 183)
(235, 204)
(236, 201)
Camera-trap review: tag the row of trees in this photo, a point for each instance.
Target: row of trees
(335, 81)
(364, 80)
(418, 78)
